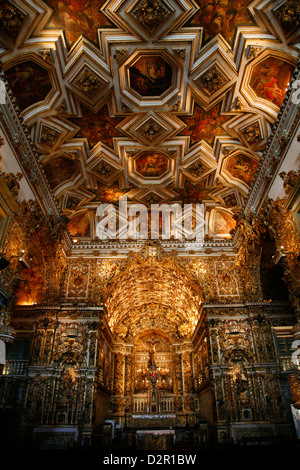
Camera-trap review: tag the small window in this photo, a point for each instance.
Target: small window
(18, 350)
(284, 345)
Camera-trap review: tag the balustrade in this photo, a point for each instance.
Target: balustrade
(15, 367)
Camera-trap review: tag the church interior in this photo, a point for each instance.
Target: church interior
(151, 338)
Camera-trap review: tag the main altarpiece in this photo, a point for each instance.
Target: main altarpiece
(161, 102)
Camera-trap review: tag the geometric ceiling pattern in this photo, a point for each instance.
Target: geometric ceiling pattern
(156, 100)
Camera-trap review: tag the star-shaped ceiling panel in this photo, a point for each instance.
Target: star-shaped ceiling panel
(156, 100)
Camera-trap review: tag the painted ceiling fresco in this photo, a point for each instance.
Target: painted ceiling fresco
(77, 17)
(204, 124)
(60, 169)
(242, 167)
(150, 76)
(270, 79)
(79, 225)
(153, 100)
(221, 16)
(29, 82)
(97, 127)
(151, 164)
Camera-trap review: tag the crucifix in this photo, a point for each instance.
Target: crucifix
(153, 375)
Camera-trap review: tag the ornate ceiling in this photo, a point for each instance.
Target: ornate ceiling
(158, 100)
(153, 295)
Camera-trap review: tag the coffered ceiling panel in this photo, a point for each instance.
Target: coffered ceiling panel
(156, 100)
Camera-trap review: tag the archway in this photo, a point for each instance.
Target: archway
(153, 308)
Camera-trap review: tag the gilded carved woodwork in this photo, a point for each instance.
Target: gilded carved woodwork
(282, 226)
(91, 308)
(295, 389)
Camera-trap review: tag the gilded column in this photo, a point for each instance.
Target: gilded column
(187, 367)
(119, 382)
(128, 374)
(177, 381)
(188, 380)
(177, 378)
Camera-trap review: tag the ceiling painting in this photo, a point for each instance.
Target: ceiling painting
(151, 164)
(79, 226)
(60, 170)
(30, 83)
(78, 17)
(195, 194)
(150, 76)
(109, 195)
(221, 16)
(270, 79)
(223, 223)
(204, 124)
(242, 167)
(173, 104)
(98, 127)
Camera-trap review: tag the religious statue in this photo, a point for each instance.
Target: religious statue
(153, 375)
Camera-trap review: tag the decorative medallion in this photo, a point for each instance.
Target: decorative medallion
(198, 168)
(150, 14)
(288, 16)
(72, 202)
(252, 133)
(120, 53)
(152, 198)
(104, 169)
(88, 82)
(11, 20)
(212, 80)
(151, 130)
(230, 200)
(48, 136)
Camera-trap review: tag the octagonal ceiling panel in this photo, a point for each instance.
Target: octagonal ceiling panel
(30, 83)
(151, 167)
(158, 100)
(150, 78)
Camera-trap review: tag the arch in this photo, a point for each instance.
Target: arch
(151, 294)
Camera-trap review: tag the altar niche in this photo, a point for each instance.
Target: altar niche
(154, 383)
(153, 369)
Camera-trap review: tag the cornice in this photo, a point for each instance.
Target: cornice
(281, 135)
(260, 303)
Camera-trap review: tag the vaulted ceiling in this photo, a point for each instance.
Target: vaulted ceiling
(158, 100)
